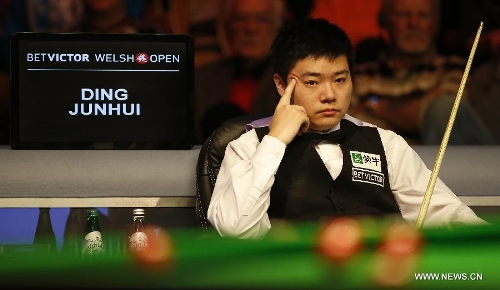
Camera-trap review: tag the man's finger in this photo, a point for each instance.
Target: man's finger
(287, 95)
(304, 127)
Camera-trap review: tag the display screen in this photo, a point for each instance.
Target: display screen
(126, 91)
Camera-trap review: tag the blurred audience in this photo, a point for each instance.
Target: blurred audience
(483, 89)
(410, 88)
(53, 15)
(200, 20)
(407, 73)
(241, 84)
(108, 16)
(39, 16)
(483, 85)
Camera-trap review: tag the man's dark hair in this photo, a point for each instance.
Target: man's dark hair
(314, 38)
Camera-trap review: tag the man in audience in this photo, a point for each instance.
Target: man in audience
(243, 83)
(483, 85)
(483, 90)
(108, 16)
(411, 89)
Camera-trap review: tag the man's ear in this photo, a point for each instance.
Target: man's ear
(280, 84)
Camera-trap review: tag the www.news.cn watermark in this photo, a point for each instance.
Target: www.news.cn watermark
(449, 276)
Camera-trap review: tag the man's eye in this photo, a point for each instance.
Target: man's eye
(311, 83)
(340, 80)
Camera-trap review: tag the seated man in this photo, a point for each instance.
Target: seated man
(312, 161)
(410, 88)
(483, 90)
(242, 84)
(238, 85)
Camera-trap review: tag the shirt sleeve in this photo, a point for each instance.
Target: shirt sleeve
(409, 177)
(241, 195)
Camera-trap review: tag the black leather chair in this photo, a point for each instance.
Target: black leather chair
(209, 162)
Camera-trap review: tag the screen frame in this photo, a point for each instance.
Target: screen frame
(186, 141)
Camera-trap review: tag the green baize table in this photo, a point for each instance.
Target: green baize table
(462, 257)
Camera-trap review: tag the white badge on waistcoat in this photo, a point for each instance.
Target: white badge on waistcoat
(366, 167)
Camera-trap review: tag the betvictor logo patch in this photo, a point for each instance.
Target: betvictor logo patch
(366, 167)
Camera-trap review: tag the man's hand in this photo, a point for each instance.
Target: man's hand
(288, 120)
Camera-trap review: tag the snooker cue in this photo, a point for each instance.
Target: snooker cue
(446, 137)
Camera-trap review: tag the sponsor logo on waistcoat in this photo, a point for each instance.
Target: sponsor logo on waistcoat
(367, 167)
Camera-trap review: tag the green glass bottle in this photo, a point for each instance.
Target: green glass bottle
(92, 243)
(44, 234)
(137, 240)
(74, 231)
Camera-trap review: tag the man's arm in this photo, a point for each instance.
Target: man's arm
(241, 195)
(409, 177)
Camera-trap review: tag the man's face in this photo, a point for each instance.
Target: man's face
(252, 26)
(412, 25)
(323, 88)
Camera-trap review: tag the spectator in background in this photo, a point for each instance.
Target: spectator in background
(483, 85)
(109, 16)
(411, 89)
(200, 19)
(483, 90)
(39, 16)
(53, 15)
(243, 83)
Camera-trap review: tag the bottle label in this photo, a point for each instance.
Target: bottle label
(138, 241)
(92, 243)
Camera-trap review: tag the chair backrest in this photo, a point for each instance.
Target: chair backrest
(210, 159)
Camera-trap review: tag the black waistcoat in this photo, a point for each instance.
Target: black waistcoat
(304, 189)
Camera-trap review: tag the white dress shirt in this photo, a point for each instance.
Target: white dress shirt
(241, 195)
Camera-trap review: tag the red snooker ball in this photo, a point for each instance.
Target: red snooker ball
(159, 253)
(401, 239)
(396, 259)
(340, 238)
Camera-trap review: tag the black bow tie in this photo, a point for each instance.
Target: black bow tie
(333, 137)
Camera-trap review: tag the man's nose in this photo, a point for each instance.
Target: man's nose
(251, 24)
(413, 20)
(328, 93)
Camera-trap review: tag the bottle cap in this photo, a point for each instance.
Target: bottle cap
(138, 211)
(92, 212)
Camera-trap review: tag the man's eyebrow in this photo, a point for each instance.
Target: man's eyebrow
(317, 74)
(341, 72)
